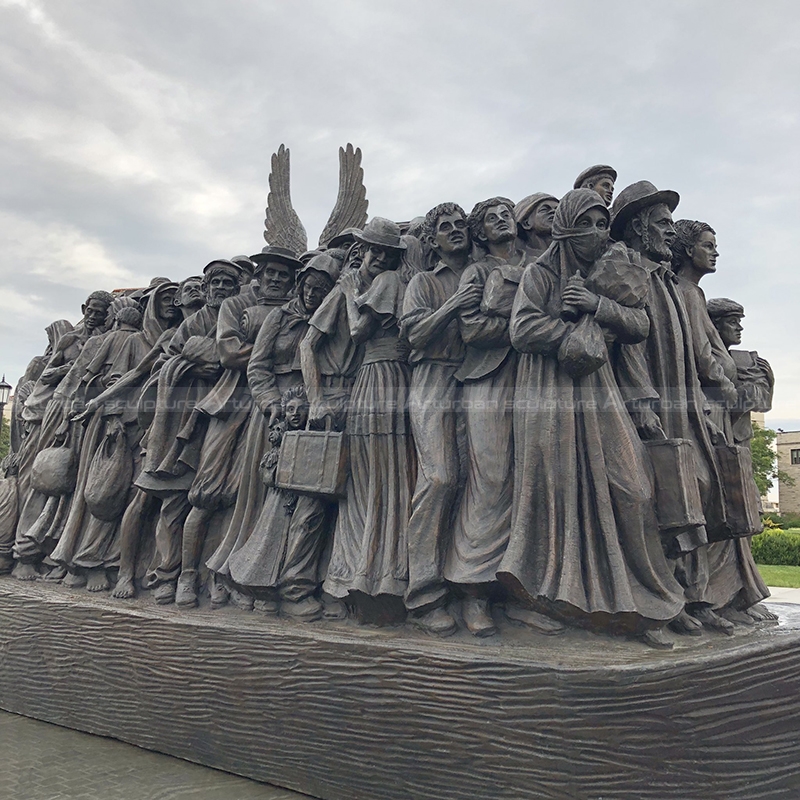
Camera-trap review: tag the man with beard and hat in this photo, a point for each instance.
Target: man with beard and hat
(534, 215)
(273, 368)
(182, 378)
(225, 412)
(601, 179)
(659, 381)
(483, 522)
(431, 307)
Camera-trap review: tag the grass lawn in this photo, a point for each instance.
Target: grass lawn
(780, 575)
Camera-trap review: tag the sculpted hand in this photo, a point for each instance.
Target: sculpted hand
(648, 425)
(729, 394)
(350, 283)
(466, 296)
(274, 413)
(581, 298)
(717, 436)
(317, 413)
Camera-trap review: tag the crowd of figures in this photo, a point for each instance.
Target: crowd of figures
(544, 418)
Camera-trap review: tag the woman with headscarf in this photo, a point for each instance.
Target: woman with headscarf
(584, 544)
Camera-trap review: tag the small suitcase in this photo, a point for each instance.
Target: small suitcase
(678, 503)
(313, 462)
(742, 504)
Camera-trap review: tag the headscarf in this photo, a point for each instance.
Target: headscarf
(55, 330)
(152, 324)
(560, 257)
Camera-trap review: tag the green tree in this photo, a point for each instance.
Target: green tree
(5, 438)
(765, 460)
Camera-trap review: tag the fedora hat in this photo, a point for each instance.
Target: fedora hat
(273, 253)
(590, 172)
(382, 232)
(633, 199)
(345, 238)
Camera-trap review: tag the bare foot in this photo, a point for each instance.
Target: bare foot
(712, 620)
(57, 574)
(533, 620)
(125, 589)
(25, 571)
(97, 580)
(74, 580)
(760, 613)
(736, 617)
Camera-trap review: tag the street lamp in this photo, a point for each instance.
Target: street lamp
(5, 391)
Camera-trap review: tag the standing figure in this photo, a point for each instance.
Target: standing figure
(601, 179)
(228, 409)
(370, 554)
(660, 382)
(274, 369)
(534, 215)
(433, 301)
(483, 522)
(584, 542)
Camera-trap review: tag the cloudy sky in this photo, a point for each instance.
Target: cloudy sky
(135, 135)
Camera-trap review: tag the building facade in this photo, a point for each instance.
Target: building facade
(788, 443)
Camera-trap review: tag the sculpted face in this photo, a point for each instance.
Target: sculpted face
(192, 293)
(220, 286)
(315, 288)
(659, 233)
(296, 413)
(499, 224)
(541, 220)
(378, 259)
(166, 304)
(276, 280)
(603, 185)
(451, 234)
(353, 258)
(730, 329)
(94, 315)
(593, 242)
(704, 253)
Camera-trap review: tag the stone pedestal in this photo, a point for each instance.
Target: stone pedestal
(345, 712)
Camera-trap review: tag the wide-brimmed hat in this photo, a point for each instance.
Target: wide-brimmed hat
(346, 237)
(523, 209)
(382, 232)
(590, 172)
(223, 265)
(321, 263)
(633, 199)
(273, 253)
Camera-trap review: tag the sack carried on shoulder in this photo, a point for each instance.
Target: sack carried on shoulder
(54, 471)
(109, 478)
(313, 462)
(583, 350)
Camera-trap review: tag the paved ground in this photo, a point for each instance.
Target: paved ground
(46, 762)
(780, 595)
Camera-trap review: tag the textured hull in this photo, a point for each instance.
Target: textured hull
(354, 713)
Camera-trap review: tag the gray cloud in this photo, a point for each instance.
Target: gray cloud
(136, 137)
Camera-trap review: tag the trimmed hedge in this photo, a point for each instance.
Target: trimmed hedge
(777, 547)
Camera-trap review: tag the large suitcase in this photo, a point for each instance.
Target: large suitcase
(313, 462)
(678, 505)
(742, 504)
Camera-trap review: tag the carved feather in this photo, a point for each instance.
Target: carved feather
(282, 226)
(351, 206)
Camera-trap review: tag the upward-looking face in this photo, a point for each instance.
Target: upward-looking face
(276, 280)
(451, 234)
(593, 224)
(659, 233)
(94, 315)
(499, 224)
(704, 253)
(192, 293)
(540, 220)
(220, 286)
(603, 185)
(730, 329)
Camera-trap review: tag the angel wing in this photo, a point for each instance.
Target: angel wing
(351, 206)
(282, 226)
